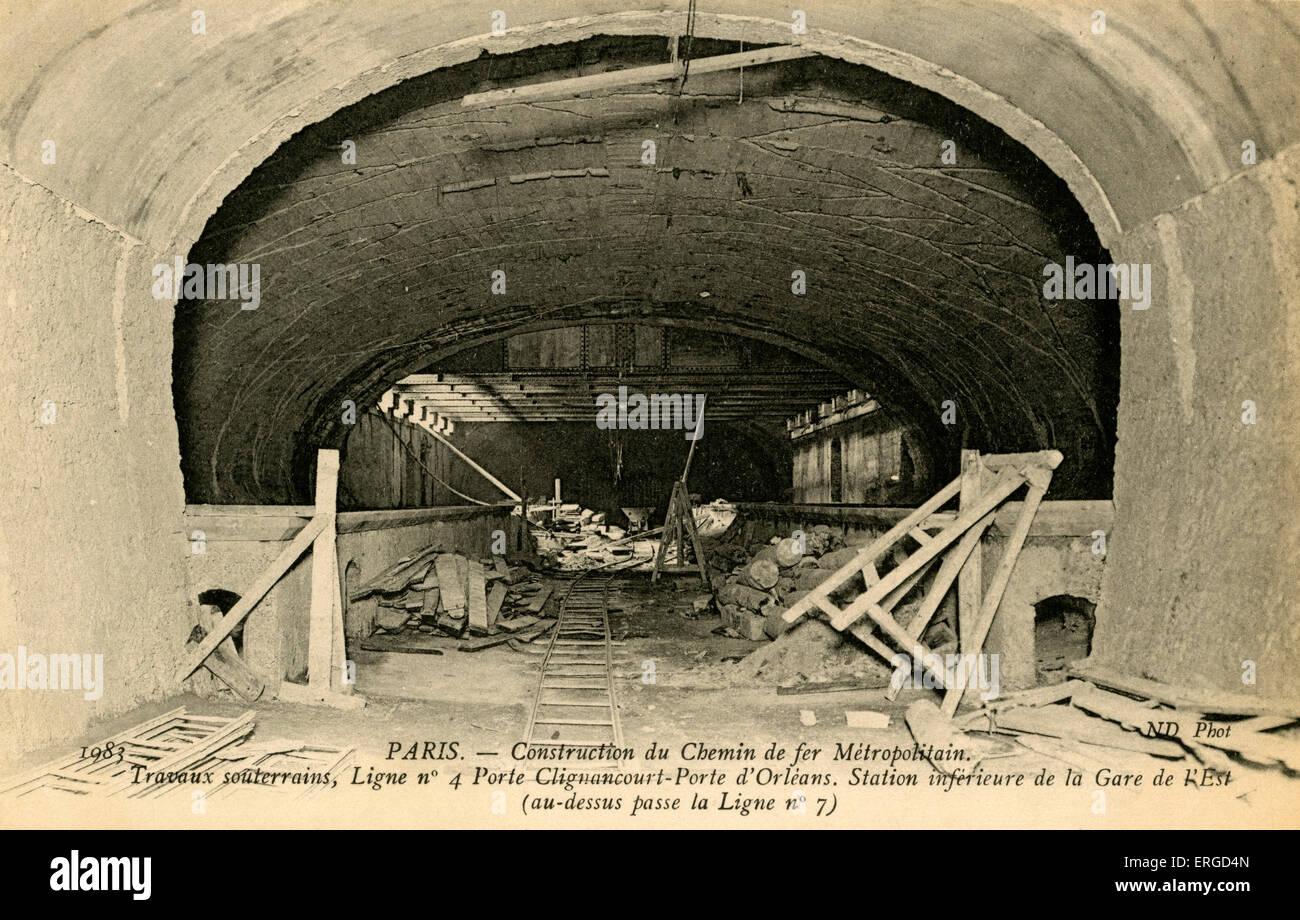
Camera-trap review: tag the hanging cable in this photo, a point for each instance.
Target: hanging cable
(406, 447)
(690, 40)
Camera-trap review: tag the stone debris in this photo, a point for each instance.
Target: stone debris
(571, 538)
(766, 578)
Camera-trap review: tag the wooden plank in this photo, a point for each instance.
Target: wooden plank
(397, 576)
(73, 761)
(324, 575)
(451, 584)
(506, 490)
(495, 599)
(830, 686)
(338, 639)
(225, 664)
(288, 556)
(1039, 479)
(1006, 484)
(931, 730)
(697, 546)
(1036, 696)
(230, 673)
(373, 645)
(950, 569)
(632, 76)
(481, 642)
(970, 582)
(1134, 716)
(538, 600)
(1050, 459)
(1205, 701)
(476, 596)
(871, 552)
(209, 619)
(1071, 724)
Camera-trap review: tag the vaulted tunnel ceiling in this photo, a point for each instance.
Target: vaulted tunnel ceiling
(924, 279)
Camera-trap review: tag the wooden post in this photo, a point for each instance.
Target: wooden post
(324, 576)
(970, 581)
(1039, 479)
(339, 643)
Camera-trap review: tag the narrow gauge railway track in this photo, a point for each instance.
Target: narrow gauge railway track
(575, 702)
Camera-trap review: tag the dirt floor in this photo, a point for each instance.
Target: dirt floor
(679, 684)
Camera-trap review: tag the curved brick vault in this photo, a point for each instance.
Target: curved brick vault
(155, 126)
(924, 279)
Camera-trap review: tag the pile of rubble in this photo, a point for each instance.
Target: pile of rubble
(450, 595)
(570, 538)
(573, 539)
(767, 578)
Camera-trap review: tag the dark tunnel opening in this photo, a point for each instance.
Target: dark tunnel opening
(924, 278)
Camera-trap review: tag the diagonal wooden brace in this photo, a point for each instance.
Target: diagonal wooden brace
(948, 572)
(1008, 482)
(869, 553)
(248, 600)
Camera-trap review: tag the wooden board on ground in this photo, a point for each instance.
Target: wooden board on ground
(532, 633)
(1037, 696)
(539, 599)
(494, 600)
(1071, 724)
(410, 642)
(398, 576)
(173, 741)
(932, 729)
(1204, 701)
(829, 686)
(451, 584)
(479, 643)
(228, 668)
(300, 758)
(516, 624)
(476, 596)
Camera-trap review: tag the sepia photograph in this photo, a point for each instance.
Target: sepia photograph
(698, 415)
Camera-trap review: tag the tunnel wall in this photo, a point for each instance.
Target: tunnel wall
(154, 130)
(1206, 543)
(881, 464)
(91, 540)
(376, 471)
(241, 546)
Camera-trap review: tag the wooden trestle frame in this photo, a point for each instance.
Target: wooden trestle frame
(986, 482)
(679, 524)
